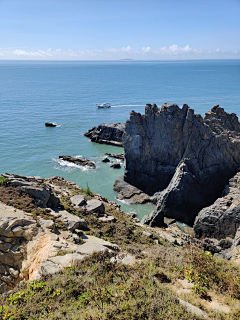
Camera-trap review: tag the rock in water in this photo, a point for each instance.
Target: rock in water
(187, 159)
(79, 161)
(107, 133)
(50, 124)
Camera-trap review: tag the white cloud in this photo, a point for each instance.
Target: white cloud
(172, 52)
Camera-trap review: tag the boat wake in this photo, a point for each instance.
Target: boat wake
(128, 105)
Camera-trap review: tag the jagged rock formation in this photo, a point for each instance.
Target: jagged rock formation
(187, 159)
(79, 161)
(222, 218)
(107, 133)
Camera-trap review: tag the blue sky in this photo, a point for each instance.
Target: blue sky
(118, 29)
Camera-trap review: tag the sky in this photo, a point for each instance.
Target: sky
(119, 29)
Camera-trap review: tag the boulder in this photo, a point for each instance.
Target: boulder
(222, 218)
(107, 133)
(95, 205)
(183, 157)
(71, 221)
(78, 200)
(107, 219)
(79, 161)
(105, 160)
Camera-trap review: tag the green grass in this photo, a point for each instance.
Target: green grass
(3, 181)
(87, 190)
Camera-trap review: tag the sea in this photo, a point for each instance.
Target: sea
(66, 92)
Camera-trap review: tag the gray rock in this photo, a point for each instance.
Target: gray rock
(47, 223)
(79, 161)
(38, 193)
(236, 241)
(72, 222)
(9, 225)
(66, 260)
(129, 193)
(192, 309)
(90, 247)
(124, 258)
(222, 218)
(107, 133)
(107, 219)
(17, 183)
(78, 200)
(48, 268)
(186, 158)
(95, 205)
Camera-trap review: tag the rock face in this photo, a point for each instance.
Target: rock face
(13, 231)
(222, 218)
(107, 133)
(79, 161)
(129, 193)
(187, 159)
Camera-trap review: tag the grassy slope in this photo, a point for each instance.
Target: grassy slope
(99, 289)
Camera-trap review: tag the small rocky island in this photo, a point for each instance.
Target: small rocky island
(107, 133)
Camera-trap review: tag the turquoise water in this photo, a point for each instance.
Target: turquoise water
(32, 93)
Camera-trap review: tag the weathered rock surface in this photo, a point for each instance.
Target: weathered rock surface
(79, 161)
(107, 133)
(95, 205)
(34, 186)
(71, 221)
(187, 159)
(78, 200)
(222, 218)
(129, 193)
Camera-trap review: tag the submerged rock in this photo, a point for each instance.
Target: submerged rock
(183, 157)
(107, 133)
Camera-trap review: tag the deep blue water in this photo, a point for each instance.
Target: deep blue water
(32, 93)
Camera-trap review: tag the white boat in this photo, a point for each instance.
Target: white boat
(103, 105)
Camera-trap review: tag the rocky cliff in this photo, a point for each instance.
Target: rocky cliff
(107, 133)
(183, 157)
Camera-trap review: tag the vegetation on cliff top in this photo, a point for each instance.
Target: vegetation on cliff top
(97, 288)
